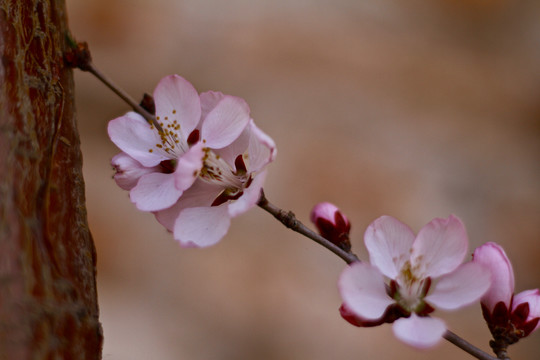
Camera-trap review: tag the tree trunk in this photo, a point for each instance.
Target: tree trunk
(48, 298)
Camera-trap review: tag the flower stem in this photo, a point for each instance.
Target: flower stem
(288, 219)
(78, 56)
(467, 347)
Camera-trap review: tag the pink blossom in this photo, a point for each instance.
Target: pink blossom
(425, 272)
(207, 165)
(332, 224)
(509, 317)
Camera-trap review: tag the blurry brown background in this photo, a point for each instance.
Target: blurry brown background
(415, 109)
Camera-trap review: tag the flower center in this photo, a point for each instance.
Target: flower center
(411, 290)
(171, 140)
(217, 171)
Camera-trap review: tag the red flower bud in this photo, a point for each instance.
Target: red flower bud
(332, 224)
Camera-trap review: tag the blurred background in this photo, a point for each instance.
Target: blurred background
(415, 109)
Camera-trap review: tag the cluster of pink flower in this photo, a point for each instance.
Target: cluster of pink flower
(425, 272)
(207, 164)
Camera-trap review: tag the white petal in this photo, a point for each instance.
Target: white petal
(388, 242)
(440, 247)
(363, 292)
(262, 149)
(225, 122)
(209, 100)
(176, 99)
(154, 192)
(420, 332)
(198, 195)
(134, 136)
(128, 170)
(238, 147)
(461, 287)
(249, 198)
(202, 227)
(188, 167)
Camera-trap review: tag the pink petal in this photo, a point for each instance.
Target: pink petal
(420, 332)
(461, 287)
(188, 167)
(134, 136)
(238, 147)
(249, 198)
(225, 122)
(209, 100)
(202, 227)
(176, 99)
(128, 170)
(155, 192)
(439, 247)
(533, 298)
(324, 210)
(262, 149)
(198, 195)
(388, 242)
(363, 292)
(493, 257)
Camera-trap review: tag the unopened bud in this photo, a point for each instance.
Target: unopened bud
(332, 224)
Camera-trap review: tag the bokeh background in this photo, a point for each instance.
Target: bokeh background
(415, 109)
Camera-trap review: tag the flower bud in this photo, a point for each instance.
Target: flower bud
(526, 311)
(332, 224)
(509, 317)
(493, 257)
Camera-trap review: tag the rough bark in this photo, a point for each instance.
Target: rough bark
(48, 299)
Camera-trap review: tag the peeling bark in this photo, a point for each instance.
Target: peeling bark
(48, 298)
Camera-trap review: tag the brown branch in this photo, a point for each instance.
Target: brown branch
(288, 219)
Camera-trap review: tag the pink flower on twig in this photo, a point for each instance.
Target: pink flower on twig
(206, 166)
(425, 272)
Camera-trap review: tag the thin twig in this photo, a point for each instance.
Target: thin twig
(78, 56)
(124, 96)
(467, 347)
(288, 219)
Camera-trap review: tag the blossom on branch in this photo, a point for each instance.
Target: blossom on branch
(206, 165)
(425, 272)
(509, 317)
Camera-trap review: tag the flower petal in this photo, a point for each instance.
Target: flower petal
(134, 136)
(262, 149)
(188, 167)
(249, 198)
(209, 100)
(388, 242)
(198, 195)
(128, 170)
(176, 99)
(155, 192)
(202, 226)
(492, 256)
(363, 292)
(420, 332)
(461, 287)
(225, 122)
(440, 247)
